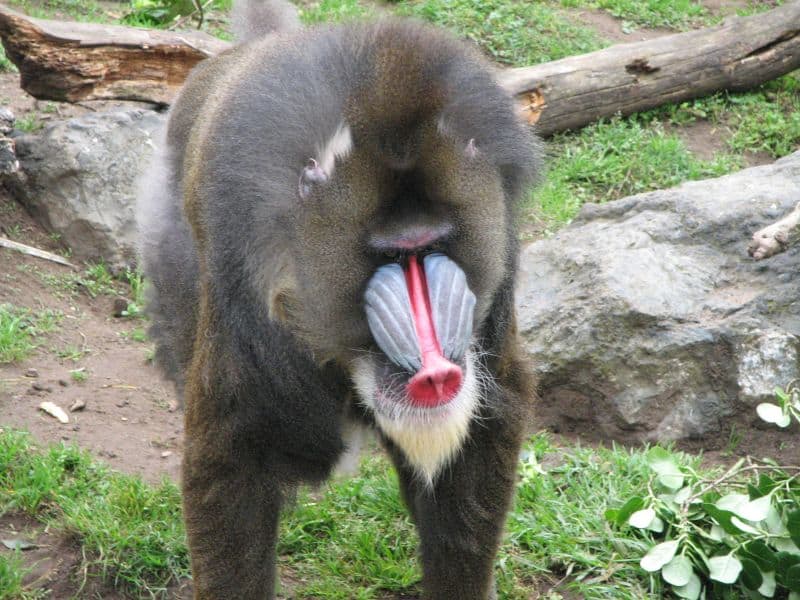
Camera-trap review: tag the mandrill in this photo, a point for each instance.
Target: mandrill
(329, 232)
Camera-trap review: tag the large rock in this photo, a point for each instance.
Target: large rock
(78, 178)
(646, 319)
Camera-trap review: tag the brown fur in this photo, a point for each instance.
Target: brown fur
(272, 295)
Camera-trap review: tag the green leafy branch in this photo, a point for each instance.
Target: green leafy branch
(738, 532)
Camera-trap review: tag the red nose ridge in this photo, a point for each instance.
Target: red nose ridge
(439, 379)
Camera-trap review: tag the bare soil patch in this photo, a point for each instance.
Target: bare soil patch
(614, 29)
(129, 419)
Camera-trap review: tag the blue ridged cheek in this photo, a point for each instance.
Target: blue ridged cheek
(452, 305)
(390, 320)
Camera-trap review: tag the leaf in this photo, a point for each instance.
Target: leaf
(665, 466)
(772, 413)
(724, 569)
(786, 561)
(683, 495)
(14, 544)
(742, 526)
(658, 556)
(793, 525)
(767, 588)
(690, 591)
(716, 533)
(678, 571)
(627, 509)
(656, 526)
(783, 544)
(723, 517)
(792, 578)
(642, 518)
(761, 554)
(755, 510)
(751, 575)
(731, 502)
(765, 484)
(774, 523)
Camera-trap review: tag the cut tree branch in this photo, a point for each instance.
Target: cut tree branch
(82, 61)
(740, 54)
(777, 237)
(73, 62)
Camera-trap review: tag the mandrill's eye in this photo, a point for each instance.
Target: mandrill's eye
(391, 254)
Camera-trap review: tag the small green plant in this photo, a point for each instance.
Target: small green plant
(14, 231)
(29, 123)
(787, 408)
(19, 329)
(6, 65)
(730, 536)
(78, 375)
(135, 280)
(137, 335)
(163, 13)
(98, 280)
(95, 280)
(72, 353)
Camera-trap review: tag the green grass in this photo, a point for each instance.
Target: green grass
(19, 330)
(333, 11)
(78, 10)
(612, 159)
(12, 572)
(353, 539)
(131, 532)
(95, 280)
(6, 65)
(513, 32)
(672, 14)
(766, 119)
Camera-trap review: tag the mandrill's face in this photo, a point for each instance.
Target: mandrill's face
(413, 248)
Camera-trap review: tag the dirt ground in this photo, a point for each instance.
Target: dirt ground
(129, 419)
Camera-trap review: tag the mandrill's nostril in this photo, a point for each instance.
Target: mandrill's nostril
(435, 384)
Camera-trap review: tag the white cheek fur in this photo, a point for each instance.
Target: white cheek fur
(429, 438)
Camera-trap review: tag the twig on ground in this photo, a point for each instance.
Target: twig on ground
(31, 251)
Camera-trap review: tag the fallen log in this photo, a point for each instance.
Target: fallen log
(72, 62)
(740, 54)
(83, 61)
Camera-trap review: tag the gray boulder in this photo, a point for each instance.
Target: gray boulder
(78, 178)
(646, 319)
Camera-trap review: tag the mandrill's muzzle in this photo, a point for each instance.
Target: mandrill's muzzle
(421, 318)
